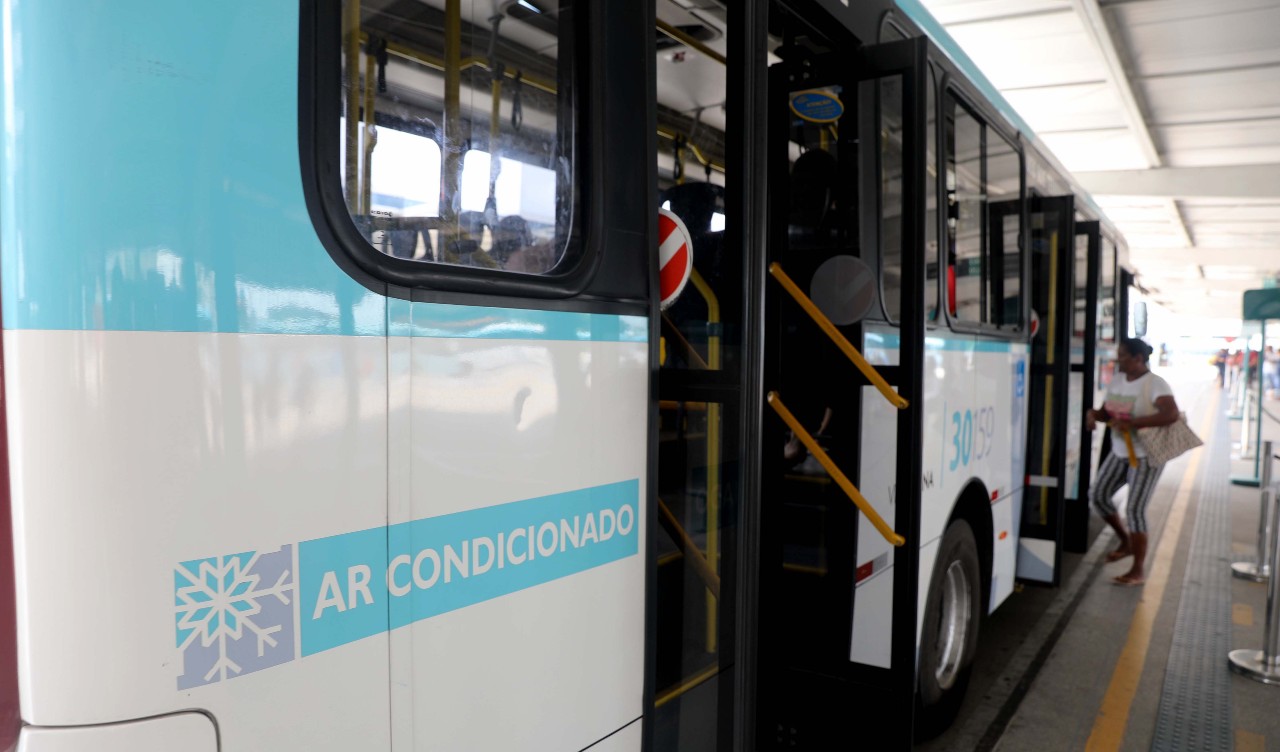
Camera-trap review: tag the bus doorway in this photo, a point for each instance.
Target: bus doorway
(1081, 444)
(839, 467)
(1052, 233)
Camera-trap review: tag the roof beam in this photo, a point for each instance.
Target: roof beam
(1095, 26)
(1237, 181)
(1179, 223)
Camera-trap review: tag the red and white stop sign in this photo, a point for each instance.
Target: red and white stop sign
(675, 257)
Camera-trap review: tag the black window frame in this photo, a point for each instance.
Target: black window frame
(1105, 241)
(319, 97)
(933, 76)
(953, 91)
(1015, 144)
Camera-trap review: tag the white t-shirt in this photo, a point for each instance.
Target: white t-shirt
(1133, 399)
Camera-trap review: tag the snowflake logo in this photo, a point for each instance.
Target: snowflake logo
(234, 615)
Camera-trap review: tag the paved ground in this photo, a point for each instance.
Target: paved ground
(1047, 676)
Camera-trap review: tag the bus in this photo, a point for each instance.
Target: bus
(344, 407)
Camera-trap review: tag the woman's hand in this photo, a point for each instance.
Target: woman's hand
(1090, 420)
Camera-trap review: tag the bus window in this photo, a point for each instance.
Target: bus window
(891, 194)
(1004, 191)
(460, 153)
(1107, 293)
(965, 272)
(1080, 305)
(891, 163)
(931, 201)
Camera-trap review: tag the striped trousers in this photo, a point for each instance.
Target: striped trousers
(1114, 473)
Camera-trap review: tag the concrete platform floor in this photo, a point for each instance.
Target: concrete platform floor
(1083, 666)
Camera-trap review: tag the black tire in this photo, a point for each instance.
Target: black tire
(949, 634)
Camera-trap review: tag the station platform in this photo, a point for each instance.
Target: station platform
(1095, 666)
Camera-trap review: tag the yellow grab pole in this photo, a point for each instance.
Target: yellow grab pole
(713, 448)
(351, 48)
(845, 346)
(1051, 344)
(849, 489)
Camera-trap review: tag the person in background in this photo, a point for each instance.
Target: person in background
(1140, 399)
(1219, 360)
(1271, 373)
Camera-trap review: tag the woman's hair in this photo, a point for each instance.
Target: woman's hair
(1137, 348)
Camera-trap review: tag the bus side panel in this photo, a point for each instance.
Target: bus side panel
(1006, 516)
(992, 428)
(519, 433)
(162, 484)
(625, 740)
(872, 638)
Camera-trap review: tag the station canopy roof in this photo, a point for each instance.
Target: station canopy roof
(1167, 111)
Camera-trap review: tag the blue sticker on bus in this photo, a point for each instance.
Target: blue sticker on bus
(817, 106)
(245, 612)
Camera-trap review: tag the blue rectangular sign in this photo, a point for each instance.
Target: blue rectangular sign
(359, 584)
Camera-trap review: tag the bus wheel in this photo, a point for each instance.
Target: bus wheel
(949, 635)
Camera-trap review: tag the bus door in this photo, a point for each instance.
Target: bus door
(1052, 222)
(846, 227)
(1080, 443)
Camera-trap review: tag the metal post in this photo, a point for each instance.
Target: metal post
(1260, 570)
(1237, 398)
(1262, 396)
(1246, 445)
(1264, 665)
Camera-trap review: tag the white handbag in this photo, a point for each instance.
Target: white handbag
(1163, 443)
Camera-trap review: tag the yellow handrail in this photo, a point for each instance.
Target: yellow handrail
(689, 549)
(1128, 444)
(845, 346)
(845, 485)
(678, 35)
(431, 61)
(671, 693)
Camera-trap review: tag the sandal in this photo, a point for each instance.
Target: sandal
(1117, 555)
(1125, 580)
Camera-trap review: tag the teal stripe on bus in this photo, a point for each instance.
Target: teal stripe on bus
(149, 176)
(480, 322)
(165, 194)
(959, 344)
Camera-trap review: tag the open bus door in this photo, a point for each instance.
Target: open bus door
(1052, 233)
(828, 221)
(1080, 449)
